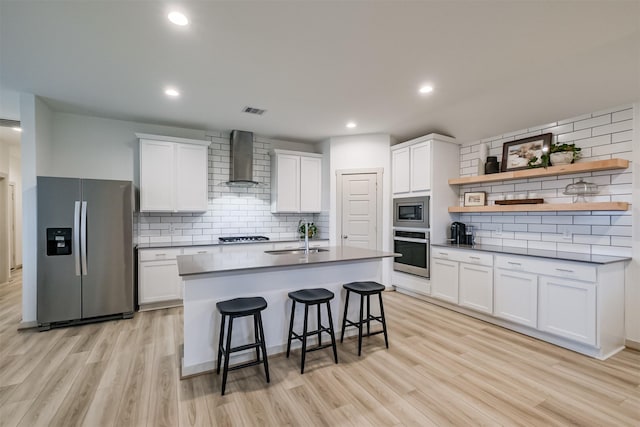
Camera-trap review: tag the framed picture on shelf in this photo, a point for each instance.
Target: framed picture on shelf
(517, 154)
(477, 198)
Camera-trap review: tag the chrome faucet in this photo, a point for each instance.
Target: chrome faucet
(306, 234)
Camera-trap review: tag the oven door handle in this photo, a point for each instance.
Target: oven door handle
(407, 239)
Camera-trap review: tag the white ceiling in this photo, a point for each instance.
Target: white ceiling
(314, 65)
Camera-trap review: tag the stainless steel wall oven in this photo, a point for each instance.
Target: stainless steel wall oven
(413, 244)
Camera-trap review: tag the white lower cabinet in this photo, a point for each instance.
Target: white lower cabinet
(568, 309)
(444, 280)
(577, 305)
(516, 297)
(476, 287)
(158, 279)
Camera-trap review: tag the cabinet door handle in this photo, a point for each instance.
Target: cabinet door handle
(474, 257)
(565, 270)
(202, 252)
(513, 263)
(161, 254)
(443, 253)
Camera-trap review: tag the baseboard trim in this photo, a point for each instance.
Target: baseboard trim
(27, 325)
(632, 344)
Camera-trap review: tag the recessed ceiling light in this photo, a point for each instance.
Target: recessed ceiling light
(426, 89)
(178, 18)
(17, 129)
(172, 92)
(351, 125)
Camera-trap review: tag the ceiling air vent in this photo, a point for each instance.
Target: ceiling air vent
(253, 110)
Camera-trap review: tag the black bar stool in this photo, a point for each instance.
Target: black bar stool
(241, 307)
(312, 297)
(364, 289)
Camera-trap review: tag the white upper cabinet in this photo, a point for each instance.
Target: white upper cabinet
(296, 182)
(310, 184)
(421, 166)
(411, 167)
(173, 174)
(191, 177)
(401, 162)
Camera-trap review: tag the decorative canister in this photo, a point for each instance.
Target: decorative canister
(492, 165)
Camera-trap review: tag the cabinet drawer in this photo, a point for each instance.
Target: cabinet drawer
(569, 270)
(158, 254)
(471, 257)
(200, 250)
(475, 257)
(517, 263)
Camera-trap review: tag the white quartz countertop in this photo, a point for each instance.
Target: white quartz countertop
(558, 255)
(189, 265)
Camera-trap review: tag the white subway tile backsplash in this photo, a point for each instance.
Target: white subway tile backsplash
(545, 246)
(595, 121)
(619, 116)
(571, 247)
(573, 136)
(625, 125)
(612, 230)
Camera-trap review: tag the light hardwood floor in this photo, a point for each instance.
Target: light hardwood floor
(442, 368)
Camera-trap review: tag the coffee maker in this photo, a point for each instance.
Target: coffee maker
(458, 233)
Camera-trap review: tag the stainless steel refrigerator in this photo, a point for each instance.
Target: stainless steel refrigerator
(85, 250)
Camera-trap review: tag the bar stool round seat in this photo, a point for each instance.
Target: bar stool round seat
(316, 296)
(311, 297)
(364, 289)
(233, 309)
(241, 306)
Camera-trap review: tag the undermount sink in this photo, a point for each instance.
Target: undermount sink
(295, 251)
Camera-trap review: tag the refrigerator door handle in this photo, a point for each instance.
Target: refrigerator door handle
(76, 235)
(83, 238)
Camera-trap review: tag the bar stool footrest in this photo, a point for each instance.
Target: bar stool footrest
(246, 365)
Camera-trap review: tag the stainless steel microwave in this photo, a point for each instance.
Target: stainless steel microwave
(411, 212)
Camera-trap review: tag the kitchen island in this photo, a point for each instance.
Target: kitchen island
(209, 278)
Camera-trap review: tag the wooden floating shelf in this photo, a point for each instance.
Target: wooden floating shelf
(545, 207)
(597, 165)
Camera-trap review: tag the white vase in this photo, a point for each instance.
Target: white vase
(561, 158)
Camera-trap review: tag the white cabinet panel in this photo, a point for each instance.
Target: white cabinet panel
(158, 278)
(296, 182)
(444, 280)
(516, 296)
(568, 309)
(310, 184)
(421, 166)
(476, 287)
(192, 178)
(287, 183)
(156, 176)
(173, 174)
(401, 164)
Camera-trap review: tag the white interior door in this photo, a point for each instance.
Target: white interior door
(358, 215)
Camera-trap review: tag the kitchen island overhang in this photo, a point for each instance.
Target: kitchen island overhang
(210, 278)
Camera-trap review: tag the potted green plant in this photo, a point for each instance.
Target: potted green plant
(312, 230)
(558, 154)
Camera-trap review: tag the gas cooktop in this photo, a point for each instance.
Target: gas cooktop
(242, 239)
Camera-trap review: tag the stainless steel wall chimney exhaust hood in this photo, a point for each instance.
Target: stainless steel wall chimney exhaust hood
(241, 159)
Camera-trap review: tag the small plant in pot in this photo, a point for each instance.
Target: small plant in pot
(312, 230)
(558, 154)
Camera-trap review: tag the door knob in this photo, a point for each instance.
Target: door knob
(345, 236)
